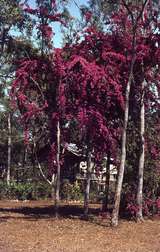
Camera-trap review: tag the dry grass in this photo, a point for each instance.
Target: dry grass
(31, 226)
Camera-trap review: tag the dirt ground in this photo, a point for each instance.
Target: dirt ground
(31, 226)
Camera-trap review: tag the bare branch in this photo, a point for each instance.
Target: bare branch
(142, 10)
(40, 167)
(127, 7)
(42, 173)
(35, 82)
(39, 88)
(77, 5)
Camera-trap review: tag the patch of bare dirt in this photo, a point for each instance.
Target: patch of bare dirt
(31, 226)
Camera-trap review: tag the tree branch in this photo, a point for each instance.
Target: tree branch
(142, 10)
(39, 166)
(127, 7)
(42, 173)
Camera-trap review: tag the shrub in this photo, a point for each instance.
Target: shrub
(129, 208)
(158, 205)
(42, 190)
(25, 191)
(76, 193)
(20, 191)
(71, 191)
(66, 190)
(3, 190)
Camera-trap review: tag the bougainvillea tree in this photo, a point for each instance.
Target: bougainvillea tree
(149, 59)
(132, 30)
(92, 95)
(148, 30)
(81, 82)
(36, 89)
(87, 83)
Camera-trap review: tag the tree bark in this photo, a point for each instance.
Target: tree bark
(115, 213)
(105, 202)
(57, 186)
(88, 183)
(9, 150)
(139, 215)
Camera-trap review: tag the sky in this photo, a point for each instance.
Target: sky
(74, 11)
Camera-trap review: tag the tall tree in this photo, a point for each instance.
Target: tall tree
(39, 102)
(149, 25)
(135, 18)
(84, 77)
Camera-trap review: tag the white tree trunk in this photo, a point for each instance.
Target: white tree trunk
(57, 186)
(141, 158)
(88, 183)
(105, 202)
(9, 150)
(115, 213)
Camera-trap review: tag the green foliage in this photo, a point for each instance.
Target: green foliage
(41, 190)
(10, 12)
(2, 190)
(24, 191)
(76, 193)
(94, 198)
(71, 191)
(15, 191)
(20, 191)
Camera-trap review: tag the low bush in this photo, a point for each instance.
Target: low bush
(3, 191)
(25, 191)
(41, 190)
(20, 191)
(71, 191)
(129, 208)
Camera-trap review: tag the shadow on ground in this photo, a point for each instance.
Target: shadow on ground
(32, 213)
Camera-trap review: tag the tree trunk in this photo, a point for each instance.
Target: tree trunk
(25, 157)
(105, 202)
(9, 150)
(139, 215)
(88, 183)
(115, 213)
(24, 174)
(57, 186)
